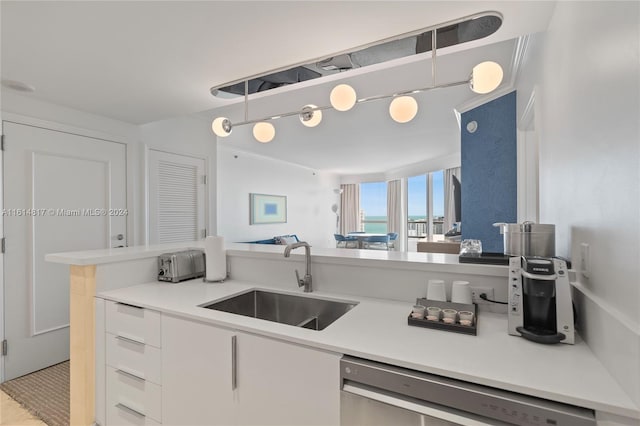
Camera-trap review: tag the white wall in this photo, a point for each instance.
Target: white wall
(309, 198)
(187, 135)
(13, 102)
(587, 109)
(26, 110)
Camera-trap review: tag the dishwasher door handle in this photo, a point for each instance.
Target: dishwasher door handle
(424, 408)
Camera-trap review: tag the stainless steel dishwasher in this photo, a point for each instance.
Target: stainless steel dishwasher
(375, 394)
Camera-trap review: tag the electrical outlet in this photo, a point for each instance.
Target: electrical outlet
(477, 291)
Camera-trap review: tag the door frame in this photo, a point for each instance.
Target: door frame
(78, 131)
(147, 208)
(2, 254)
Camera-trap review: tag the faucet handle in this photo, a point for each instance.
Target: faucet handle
(300, 282)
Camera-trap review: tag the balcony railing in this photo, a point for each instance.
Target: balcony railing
(418, 228)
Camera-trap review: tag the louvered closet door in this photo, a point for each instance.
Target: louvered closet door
(176, 197)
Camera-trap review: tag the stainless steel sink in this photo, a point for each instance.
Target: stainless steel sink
(300, 311)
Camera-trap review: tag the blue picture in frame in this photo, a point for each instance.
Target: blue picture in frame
(266, 209)
(270, 209)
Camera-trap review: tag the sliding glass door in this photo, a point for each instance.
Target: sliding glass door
(425, 207)
(373, 207)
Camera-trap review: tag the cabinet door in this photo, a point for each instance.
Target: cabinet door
(286, 384)
(196, 373)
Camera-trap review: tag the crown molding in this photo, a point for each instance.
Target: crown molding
(517, 59)
(527, 117)
(480, 100)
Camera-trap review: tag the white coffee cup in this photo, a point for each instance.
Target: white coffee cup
(461, 292)
(436, 290)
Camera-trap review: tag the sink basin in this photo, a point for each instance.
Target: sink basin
(300, 311)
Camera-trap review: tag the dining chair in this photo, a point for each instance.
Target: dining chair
(379, 242)
(345, 242)
(393, 236)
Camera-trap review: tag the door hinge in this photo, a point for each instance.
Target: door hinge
(1, 142)
(3, 244)
(4, 347)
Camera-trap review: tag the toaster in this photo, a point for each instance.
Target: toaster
(181, 265)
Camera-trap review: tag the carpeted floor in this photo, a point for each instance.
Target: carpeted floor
(44, 394)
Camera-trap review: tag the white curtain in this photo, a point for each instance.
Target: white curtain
(394, 208)
(350, 208)
(449, 205)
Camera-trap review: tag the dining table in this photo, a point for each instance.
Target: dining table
(362, 236)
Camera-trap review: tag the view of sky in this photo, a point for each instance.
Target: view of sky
(373, 196)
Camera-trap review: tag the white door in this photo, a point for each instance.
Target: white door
(62, 192)
(176, 197)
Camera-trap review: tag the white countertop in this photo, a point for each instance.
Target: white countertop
(439, 262)
(377, 329)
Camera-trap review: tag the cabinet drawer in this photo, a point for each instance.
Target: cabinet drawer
(132, 398)
(121, 416)
(143, 361)
(138, 324)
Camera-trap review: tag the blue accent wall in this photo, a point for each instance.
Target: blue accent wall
(489, 171)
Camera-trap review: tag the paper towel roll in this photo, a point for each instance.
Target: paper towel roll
(216, 258)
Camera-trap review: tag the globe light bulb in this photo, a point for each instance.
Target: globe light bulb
(264, 132)
(310, 118)
(343, 97)
(221, 126)
(486, 77)
(403, 109)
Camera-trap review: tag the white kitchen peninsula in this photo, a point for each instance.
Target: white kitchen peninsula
(384, 283)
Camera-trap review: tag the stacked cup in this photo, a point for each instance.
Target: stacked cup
(461, 292)
(436, 290)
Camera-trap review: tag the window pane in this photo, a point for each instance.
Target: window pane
(373, 207)
(438, 202)
(417, 206)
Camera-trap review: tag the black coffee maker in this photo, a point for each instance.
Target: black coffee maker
(540, 307)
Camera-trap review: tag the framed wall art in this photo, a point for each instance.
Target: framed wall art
(267, 209)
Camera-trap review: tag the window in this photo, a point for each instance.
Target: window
(373, 207)
(425, 206)
(417, 206)
(437, 211)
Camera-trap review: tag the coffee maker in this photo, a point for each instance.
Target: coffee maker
(539, 306)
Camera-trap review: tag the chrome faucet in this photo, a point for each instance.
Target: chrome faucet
(306, 281)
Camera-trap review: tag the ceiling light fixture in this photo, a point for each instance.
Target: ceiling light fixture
(264, 132)
(309, 116)
(485, 78)
(343, 97)
(221, 126)
(403, 109)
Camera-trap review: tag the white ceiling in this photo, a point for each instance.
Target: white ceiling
(143, 61)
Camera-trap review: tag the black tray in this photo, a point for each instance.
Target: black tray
(486, 258)
(440, 325)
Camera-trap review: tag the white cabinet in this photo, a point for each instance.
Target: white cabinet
(155, 368)
(196, 373)
(132, 364)
(286, 384)
(276, 383)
